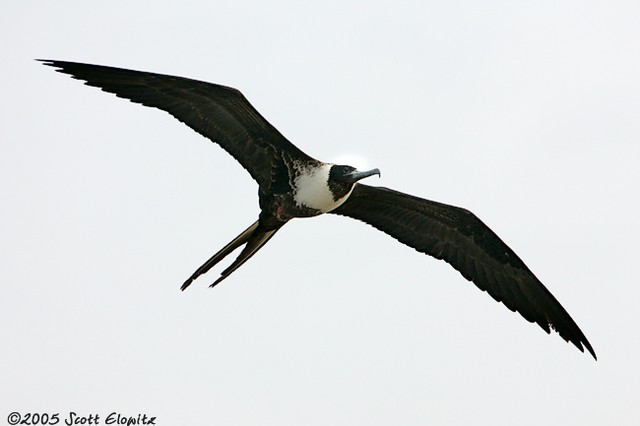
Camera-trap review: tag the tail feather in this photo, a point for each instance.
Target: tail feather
(255, 243)
(226, 250)
(254, 237)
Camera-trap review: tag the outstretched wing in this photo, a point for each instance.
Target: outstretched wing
(219, 113)
(458, 237)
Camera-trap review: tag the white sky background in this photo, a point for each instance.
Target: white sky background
(527, 113)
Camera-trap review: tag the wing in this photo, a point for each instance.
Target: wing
(219, 113)
(459, 238)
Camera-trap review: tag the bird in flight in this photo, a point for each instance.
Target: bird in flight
(292, 184)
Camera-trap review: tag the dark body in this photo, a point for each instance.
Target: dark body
(293, 184)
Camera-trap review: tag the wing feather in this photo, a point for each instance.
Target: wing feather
(458, 237)
(217, 112)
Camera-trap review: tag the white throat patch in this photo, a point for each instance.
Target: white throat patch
(312, 189)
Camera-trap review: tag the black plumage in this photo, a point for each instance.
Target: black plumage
(286, 177)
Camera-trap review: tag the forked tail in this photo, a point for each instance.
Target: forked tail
(254, 237)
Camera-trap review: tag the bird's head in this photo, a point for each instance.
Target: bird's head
(343, 178)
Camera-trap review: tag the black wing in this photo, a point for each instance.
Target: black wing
(219, 113)
(458, 237)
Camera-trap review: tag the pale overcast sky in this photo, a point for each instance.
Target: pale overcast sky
(526, 113)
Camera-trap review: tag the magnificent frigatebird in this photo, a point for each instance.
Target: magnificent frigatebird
(292, 184)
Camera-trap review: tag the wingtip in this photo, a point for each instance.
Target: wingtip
(58, 66)
(590, 350)
(583, 344)
(49, 62)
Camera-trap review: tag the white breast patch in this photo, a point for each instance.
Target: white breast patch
(312, 189)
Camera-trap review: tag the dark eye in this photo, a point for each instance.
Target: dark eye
(339, 172)
(346, 170)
